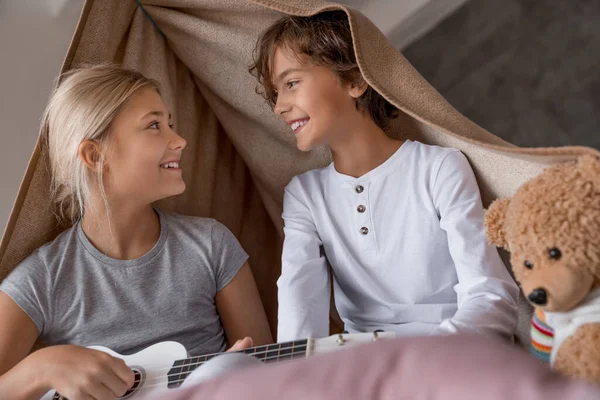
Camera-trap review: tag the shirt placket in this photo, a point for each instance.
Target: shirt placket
(363, 229)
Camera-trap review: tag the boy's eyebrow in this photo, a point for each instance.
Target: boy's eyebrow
(155, 113)
(285, 73)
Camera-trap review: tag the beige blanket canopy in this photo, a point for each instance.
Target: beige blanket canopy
(240, 155)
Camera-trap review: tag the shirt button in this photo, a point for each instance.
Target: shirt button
(364, 230)
(361, 209)
(359, 189)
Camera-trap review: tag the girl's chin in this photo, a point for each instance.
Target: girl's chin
(174, 190)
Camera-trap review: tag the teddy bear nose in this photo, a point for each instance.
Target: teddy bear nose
(538, 296)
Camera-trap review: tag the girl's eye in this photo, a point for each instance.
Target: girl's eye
(154, 125)
(291, 84)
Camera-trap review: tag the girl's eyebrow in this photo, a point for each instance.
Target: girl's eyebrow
(155, 113)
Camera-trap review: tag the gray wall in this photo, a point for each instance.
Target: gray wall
(526, 70)
(34, 37)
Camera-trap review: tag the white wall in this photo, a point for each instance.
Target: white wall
(404, 21)
(34, 37)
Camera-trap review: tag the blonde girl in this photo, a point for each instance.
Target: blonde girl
(126, 275)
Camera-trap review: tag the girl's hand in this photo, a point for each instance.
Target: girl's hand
(79, 373)
(241, 344)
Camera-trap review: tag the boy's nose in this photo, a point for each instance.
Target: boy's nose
(281, 107)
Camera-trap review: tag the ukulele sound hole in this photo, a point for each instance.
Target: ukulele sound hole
(137, 382)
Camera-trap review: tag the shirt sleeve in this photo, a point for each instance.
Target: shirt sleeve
(227, 254)
(487, 295)
(304, 285)
(30, 287)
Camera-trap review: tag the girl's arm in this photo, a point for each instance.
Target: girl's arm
(241, 310)
(74, 371)
(17, 336)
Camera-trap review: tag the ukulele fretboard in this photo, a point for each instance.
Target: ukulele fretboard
(270, 353)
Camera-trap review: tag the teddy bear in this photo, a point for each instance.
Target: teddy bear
(551, 227)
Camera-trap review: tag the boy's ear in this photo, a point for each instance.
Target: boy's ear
(494, 222)
(358, 88)
(89, 153)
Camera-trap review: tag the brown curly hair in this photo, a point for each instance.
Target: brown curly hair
(326, 40)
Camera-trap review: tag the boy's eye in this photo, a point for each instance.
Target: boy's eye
(291, 84)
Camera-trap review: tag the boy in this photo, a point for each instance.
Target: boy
(400, 222)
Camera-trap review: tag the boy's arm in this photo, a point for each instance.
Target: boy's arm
(487, 294)
(304, 286)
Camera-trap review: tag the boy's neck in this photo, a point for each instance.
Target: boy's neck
(362, 149)
(131, 232)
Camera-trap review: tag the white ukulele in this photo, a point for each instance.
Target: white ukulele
(165, 366)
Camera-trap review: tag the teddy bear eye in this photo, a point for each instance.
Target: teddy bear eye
(554, 253)
(528, 264)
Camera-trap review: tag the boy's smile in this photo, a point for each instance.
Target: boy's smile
(298, 124)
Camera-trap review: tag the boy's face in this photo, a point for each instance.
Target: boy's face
(312, 100)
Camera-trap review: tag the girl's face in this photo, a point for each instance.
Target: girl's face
(143, 155)
(313, 100)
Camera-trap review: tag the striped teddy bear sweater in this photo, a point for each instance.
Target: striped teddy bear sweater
(542, 337)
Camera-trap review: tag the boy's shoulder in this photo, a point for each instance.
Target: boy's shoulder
(314, 177)
(433, 158)
(425, 157)
(430, 152)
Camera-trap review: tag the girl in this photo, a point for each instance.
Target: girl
(126, 275)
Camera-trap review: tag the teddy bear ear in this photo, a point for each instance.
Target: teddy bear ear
(590, 167)
(494, 222)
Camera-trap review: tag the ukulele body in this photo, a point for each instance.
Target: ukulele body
(150, 367)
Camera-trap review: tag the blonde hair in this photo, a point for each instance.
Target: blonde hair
(83, 107)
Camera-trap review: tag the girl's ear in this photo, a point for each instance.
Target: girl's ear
(89, 153)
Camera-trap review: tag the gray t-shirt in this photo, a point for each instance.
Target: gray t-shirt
(77, 295)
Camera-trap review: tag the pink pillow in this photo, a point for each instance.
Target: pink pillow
(425, 368)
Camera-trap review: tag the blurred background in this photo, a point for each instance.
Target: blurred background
(526, 70)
